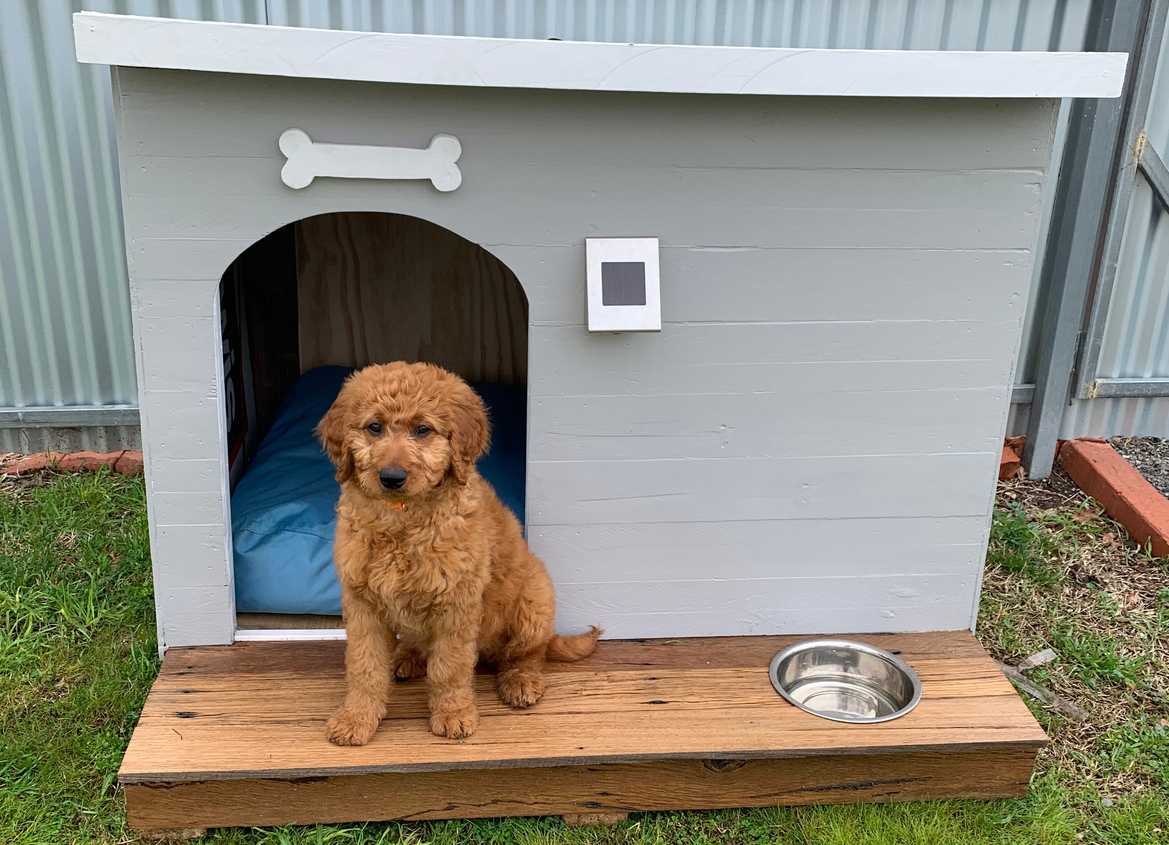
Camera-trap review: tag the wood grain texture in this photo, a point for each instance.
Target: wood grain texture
(235, 736)
(266, 273)
(286, 621)
(379, 287)
(257, 710)
(611, 789)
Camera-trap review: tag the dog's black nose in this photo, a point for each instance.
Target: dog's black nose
(392, 477)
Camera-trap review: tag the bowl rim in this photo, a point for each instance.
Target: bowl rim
(833, 642)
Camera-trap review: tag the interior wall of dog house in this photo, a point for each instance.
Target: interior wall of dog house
(67, 377)
(808, 445)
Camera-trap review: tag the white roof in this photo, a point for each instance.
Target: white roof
(130, 41)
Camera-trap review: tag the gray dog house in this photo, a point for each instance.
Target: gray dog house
(765, 305)
(846, 241)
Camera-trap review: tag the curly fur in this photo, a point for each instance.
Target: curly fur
(436, 574)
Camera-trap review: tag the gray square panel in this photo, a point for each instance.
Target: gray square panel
(623, 283)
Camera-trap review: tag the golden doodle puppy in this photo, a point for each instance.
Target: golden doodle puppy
(435, 574)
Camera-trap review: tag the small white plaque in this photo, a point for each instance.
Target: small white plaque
(623, 285)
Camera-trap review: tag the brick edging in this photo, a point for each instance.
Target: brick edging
(1104, 474)
(124, 462)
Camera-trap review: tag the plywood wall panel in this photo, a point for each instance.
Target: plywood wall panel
(562, 127)
(386, 287)
(797, 283)
(727, 425)
(681, 490)
(757, 548)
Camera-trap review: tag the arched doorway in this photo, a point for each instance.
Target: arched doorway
(302, 308)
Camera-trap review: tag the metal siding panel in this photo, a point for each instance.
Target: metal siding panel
(875, 24)
(65, 336)
(1136, 332)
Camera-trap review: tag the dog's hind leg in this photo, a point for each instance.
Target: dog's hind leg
(521, 679)
(521, 662)
(408, 661)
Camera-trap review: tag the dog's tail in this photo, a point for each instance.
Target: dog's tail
(568, 649)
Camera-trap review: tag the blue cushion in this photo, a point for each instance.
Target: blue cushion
(283, 511)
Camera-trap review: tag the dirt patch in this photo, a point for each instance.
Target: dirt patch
(1149, 456)
(1055, 491)
(1089, 593)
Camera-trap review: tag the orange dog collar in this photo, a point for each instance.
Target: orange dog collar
(399, 505)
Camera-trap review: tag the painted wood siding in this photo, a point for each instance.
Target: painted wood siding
(810, 442)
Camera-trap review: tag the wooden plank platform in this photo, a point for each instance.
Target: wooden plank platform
(234, 735)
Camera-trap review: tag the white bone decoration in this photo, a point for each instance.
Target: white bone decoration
(308, 159)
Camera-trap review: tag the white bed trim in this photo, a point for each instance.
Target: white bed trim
(287, 635)
(130, 41)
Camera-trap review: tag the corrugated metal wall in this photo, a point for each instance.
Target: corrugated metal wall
(64, 317)
(65, 337)
(1136, 332)
(879, 24)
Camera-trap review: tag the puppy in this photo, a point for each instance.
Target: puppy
(434, 570)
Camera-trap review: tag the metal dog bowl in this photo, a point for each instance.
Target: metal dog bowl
(845, 681)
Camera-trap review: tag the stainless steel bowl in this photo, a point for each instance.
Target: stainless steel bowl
(845, 681)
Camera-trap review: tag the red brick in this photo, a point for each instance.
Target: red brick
(1016, 444)
(130, 463)
(1125, 495)
(91, 461)
(32, 463)
(1009, 463)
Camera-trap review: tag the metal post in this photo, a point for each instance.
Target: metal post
(1080, 210)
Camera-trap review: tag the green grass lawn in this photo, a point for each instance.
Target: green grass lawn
(77, 654)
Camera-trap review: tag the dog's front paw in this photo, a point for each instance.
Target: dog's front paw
(348, 727)
(521, 688)
(455, 724)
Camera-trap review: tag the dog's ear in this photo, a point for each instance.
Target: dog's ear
(331, 432)
(469, 432)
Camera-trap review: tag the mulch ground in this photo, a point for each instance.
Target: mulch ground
(1149, 456)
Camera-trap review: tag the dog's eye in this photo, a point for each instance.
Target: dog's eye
(374, 428)
(421, 430)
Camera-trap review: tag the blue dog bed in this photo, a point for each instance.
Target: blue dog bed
(283, 509)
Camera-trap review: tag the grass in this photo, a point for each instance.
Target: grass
(77, 654)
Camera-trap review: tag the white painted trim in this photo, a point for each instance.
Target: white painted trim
(287, 635)
(129, 41)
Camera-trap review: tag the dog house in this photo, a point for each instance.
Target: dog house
(746, 319)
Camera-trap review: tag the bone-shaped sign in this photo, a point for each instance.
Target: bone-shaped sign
(308, 160)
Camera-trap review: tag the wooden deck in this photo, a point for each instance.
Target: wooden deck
(234, 735)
